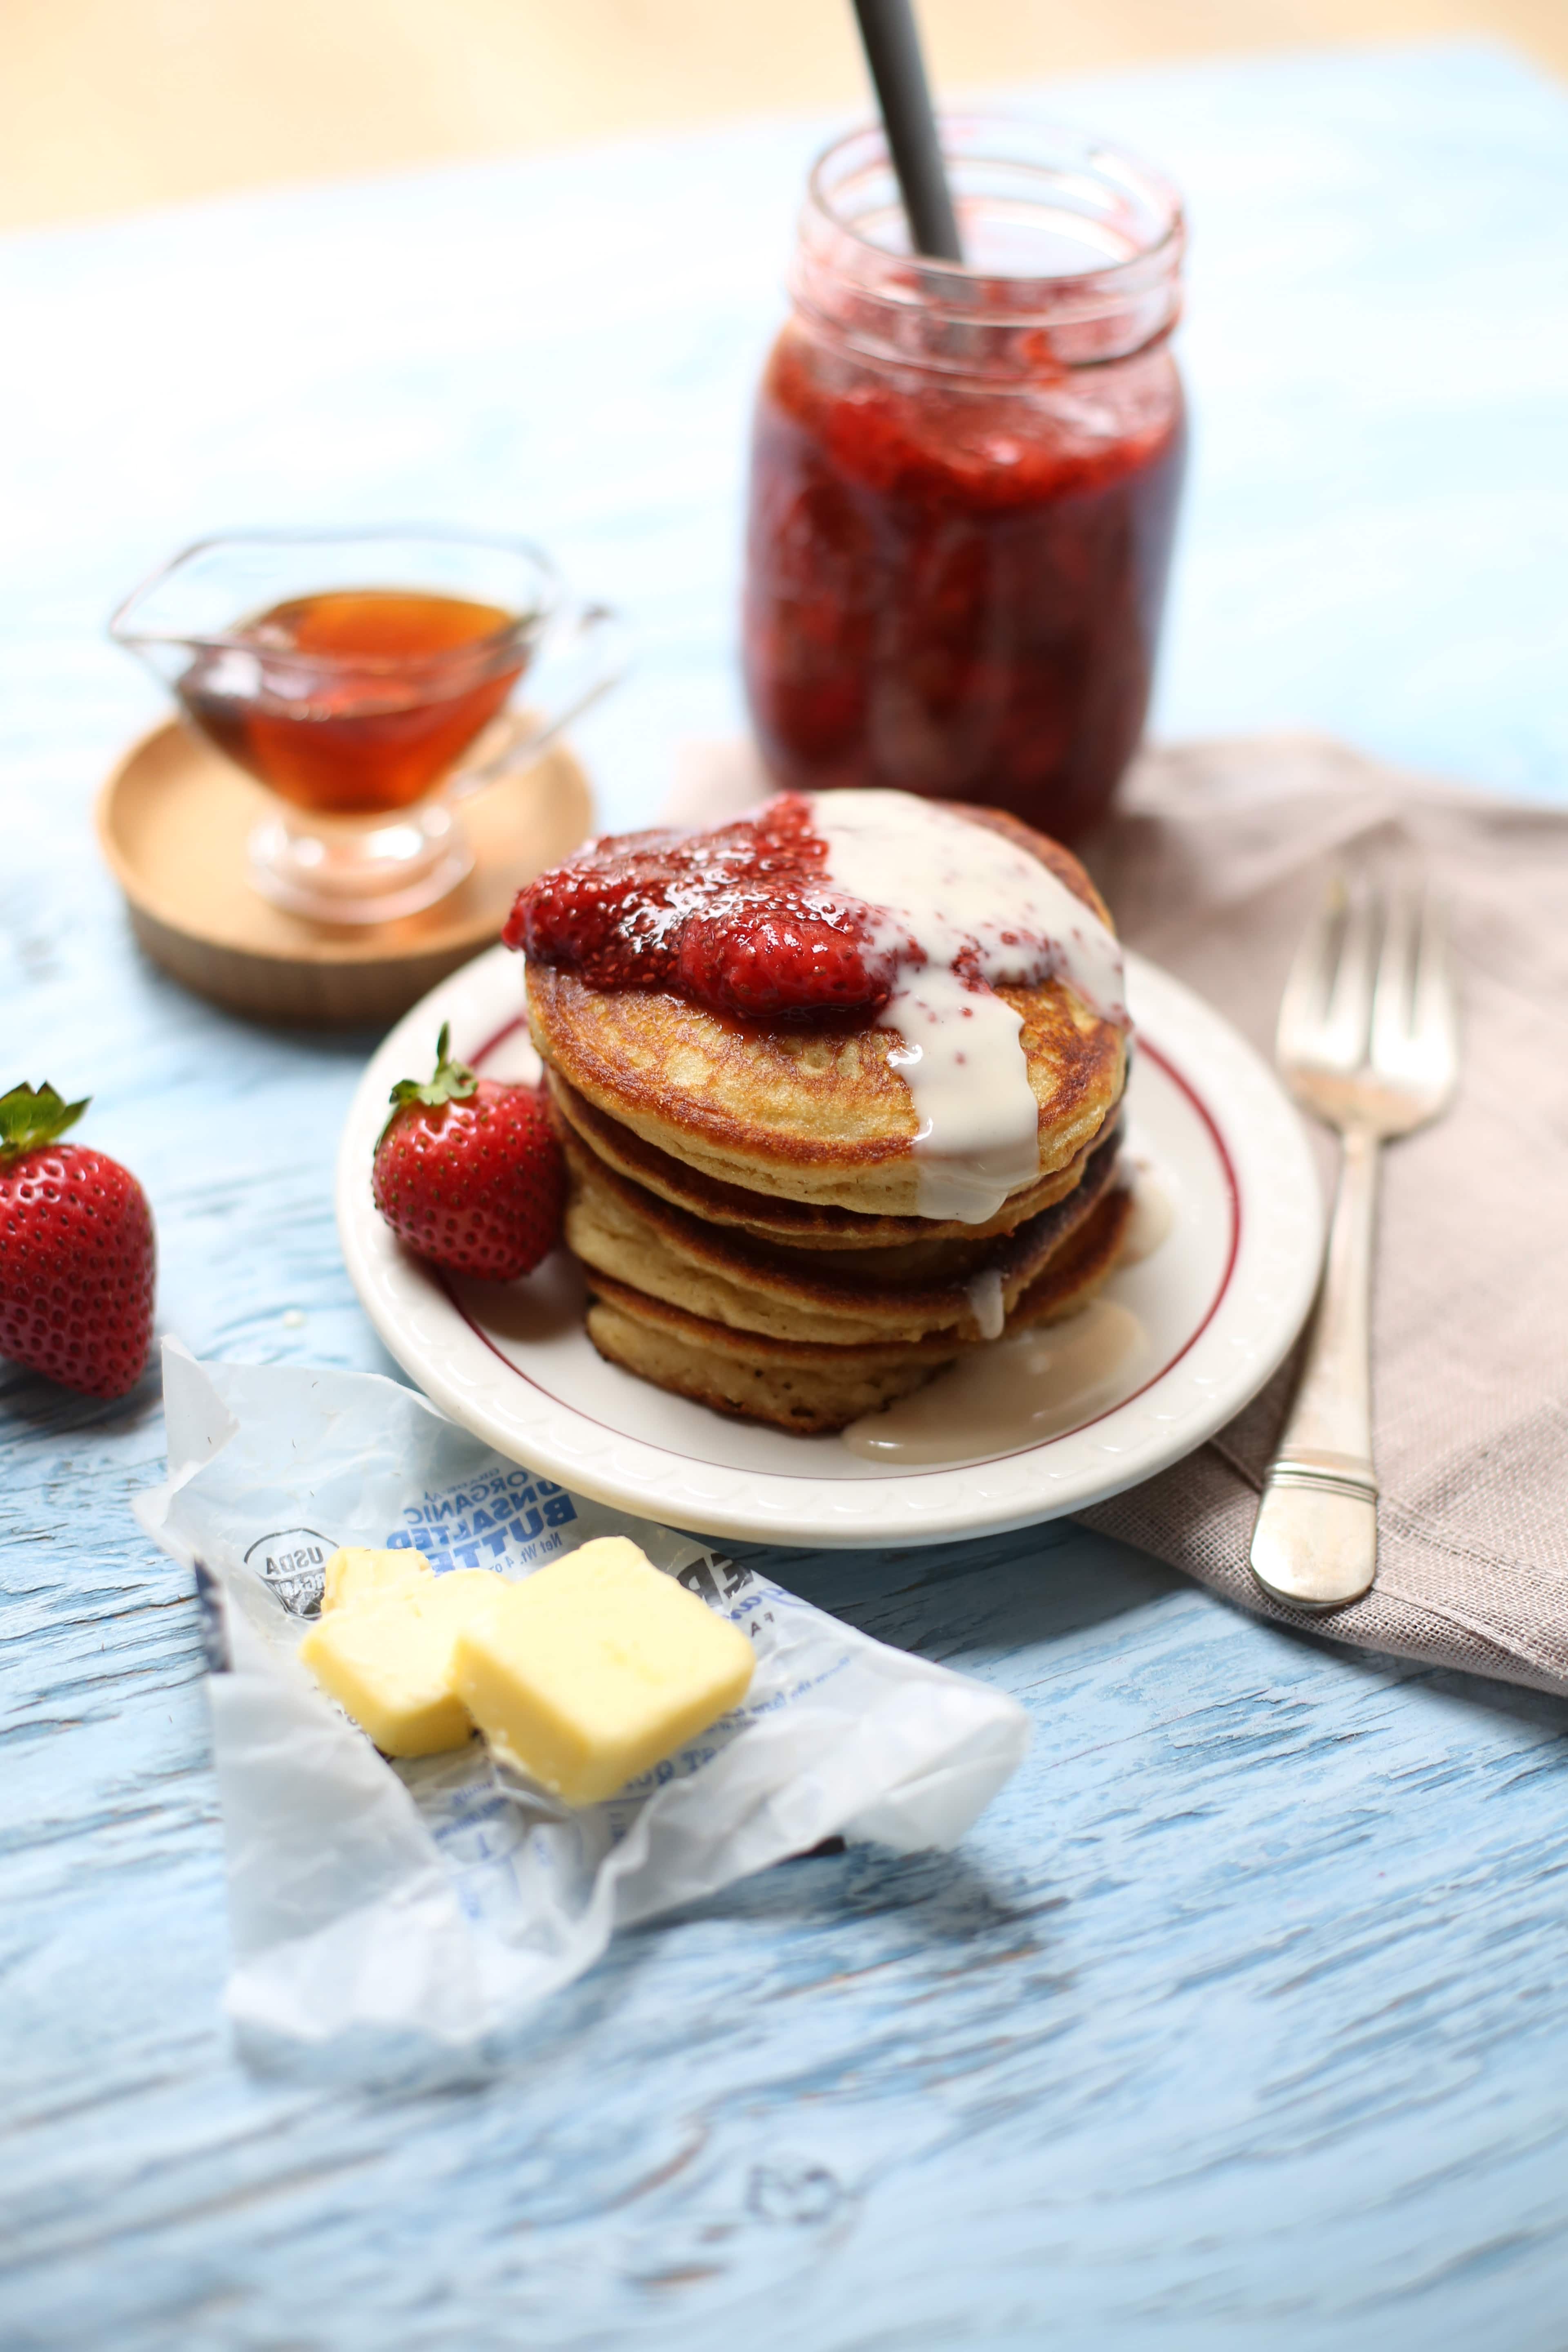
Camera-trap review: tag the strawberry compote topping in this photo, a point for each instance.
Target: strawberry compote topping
(743, 919)
(893, 910)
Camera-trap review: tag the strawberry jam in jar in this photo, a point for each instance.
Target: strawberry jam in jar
(964, 478)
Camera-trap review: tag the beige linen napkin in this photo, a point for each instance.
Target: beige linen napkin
(1212, 865)
(1216, 860)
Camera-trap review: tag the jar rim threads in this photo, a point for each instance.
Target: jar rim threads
(1074, 246)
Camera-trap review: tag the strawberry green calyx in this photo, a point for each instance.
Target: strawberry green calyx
(453, 1082)
(31, 1116)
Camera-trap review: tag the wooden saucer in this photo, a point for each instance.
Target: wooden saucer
(173, 820)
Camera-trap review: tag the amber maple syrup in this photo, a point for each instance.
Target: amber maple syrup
(356, 701)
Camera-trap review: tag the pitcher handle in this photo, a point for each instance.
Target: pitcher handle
(592, 646)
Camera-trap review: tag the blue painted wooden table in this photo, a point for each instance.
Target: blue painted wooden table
(1242, 2017)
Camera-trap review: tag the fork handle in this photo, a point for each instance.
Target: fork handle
(1314, 1542)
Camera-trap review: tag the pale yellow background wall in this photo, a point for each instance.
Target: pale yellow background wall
(107, 104)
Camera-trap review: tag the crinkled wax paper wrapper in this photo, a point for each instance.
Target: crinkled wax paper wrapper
(392, 1917)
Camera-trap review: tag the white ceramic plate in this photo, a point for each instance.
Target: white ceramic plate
(1220, 1303)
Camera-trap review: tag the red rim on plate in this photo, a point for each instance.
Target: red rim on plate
(1248, 1194)
(1153, 1053)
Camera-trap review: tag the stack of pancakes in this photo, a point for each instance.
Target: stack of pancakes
(744, 1198)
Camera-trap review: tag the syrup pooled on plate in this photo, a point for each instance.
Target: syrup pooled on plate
(1002, 1399)
(358, 700)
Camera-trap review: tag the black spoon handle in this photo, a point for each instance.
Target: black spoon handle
(892, 49)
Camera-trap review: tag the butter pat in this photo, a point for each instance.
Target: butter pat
(388, 1661)
(355, 1574)
(596, 1667)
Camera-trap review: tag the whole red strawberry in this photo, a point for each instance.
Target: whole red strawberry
(468, 1172)
(79, 1258)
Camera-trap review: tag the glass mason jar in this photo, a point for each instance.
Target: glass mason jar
(964, 479)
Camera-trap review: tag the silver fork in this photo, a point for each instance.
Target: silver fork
(1368, 1042)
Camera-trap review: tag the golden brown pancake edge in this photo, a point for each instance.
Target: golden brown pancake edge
(614, 1227)
(812, 1115)
(795, 1224)
(815, 1389)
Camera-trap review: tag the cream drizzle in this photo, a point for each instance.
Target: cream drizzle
(954, 889)
(1154, 1213)
(987, 1302)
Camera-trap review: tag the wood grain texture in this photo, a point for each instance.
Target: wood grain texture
(1241, 2018)
(174, 824)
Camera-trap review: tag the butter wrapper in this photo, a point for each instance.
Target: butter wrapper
(399, 1921)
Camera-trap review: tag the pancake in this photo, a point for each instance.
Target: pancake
(812, 1390)
(962, 1287)
(816, 1113)
(811, 1114)
(766, 1216)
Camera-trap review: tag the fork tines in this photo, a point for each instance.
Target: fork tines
(1370, 986)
